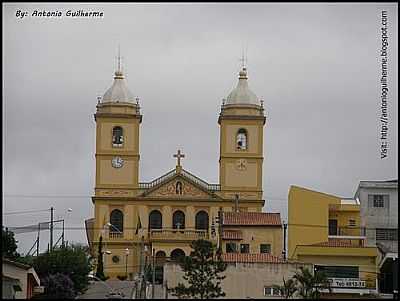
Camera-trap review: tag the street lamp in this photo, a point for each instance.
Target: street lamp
(64, 221)
(126, 262)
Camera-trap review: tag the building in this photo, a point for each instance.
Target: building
(379, 217)
(19, 281)
(324, 230)
(247, 275)
(162, 217)
(246, 232)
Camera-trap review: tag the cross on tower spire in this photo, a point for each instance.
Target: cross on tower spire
(243, 59)
(178, 157)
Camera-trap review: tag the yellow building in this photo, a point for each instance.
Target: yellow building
(163, 216)
(325, 230)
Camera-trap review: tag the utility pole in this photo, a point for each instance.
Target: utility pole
(284, 240)
(63, 234)
(38, 237)
(51, 228)
(154, 274)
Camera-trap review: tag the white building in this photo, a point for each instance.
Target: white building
(379, 217)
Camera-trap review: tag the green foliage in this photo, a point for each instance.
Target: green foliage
(28, 259)
(71, 261)
(288, 289)
(8, 245)
(202, 273)
(309, 285)
(57, 286)
(100, 265)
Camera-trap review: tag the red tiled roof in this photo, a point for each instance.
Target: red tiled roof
(232, 234)
(251, 219)
(340, 242)
(250, 258)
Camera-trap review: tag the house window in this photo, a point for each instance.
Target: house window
(338, 271)
(333, 230)
(117, 221)
(178, 220)
(265, 248)
(231, 247)
(271, 291)
(387, 234)
(118, 137)
(352, 223)
(202, 220)
(244, 248)
(378, 201)
(155, 220)
(241, 139)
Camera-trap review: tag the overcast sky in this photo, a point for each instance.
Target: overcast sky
(316, 66)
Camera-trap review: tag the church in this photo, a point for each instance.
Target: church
(140, 221)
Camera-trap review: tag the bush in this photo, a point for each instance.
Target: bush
(122, 277)
(71, 261)
(57, 286)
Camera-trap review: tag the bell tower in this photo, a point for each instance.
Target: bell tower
(118, 121)
(241, 123)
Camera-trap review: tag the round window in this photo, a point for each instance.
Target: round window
(115, 259)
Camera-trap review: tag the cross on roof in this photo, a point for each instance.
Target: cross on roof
(179, 155)
(243, 60)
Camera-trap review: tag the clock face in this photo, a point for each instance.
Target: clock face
(117, 162)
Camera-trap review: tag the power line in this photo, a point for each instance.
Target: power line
(27, 211)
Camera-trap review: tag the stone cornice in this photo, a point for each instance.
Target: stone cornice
(241, 117)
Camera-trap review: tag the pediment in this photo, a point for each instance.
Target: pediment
(179, 187)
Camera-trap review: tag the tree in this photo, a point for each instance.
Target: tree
(100, 266)
(202, 273)
(57, 286)
(309, 286)
(71, 261)
(288, 289)
(8, 245)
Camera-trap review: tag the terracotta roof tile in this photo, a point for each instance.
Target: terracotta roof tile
(251, 258)
(340, 242)
(232, 235)
(251, 219)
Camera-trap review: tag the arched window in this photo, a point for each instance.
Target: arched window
(177, 255)
(241, 139)
(178, 220)
(155, 220)
(159, 266)
(202, 220)
(117, 221)
(118, 136)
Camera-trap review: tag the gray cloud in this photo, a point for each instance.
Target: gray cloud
(315, 65)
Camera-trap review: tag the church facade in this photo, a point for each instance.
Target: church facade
(138, 220)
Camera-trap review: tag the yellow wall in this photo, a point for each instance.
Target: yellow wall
(231, 176)
(308, 217)
(364, 258)
(254, 236)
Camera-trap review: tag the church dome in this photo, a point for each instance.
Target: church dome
(119, 91)
(242, 94)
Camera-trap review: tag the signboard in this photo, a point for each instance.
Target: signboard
(38, 289)
(347, 282)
